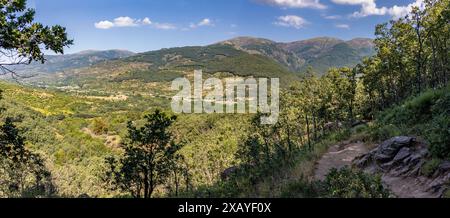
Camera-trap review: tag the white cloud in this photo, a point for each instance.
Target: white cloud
(126, 21)
(295, 3)
(291, 21)
(332, 17)
(104, 25)
(204, 22)
(146, 21)
(351, 2)
(164, 26)
(342, 26)
(369, 7)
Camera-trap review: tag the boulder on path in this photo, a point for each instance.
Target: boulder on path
(392, 150)
(404, 157)
(389, 149)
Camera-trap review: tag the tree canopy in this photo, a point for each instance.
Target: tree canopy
(22, 40)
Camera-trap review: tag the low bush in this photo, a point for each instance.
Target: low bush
(383, 132)
(348, 183)
(430, 167)
(438, 135)
(300, 189)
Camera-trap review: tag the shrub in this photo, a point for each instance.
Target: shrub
(99, 126)
(442, 105)
(447, 194)
(347, 183)
(380, 133)
(420, 109)
(342, 135)
(430, 167)
(360, 128)
(300, 189)
(438, 135)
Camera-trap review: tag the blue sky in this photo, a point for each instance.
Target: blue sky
(143, 25)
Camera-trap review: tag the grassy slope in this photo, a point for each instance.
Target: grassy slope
(423, 116)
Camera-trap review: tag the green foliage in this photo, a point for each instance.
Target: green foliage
(347, 183)
(23, 37)
(211, 142)
(447, 194)
(211, 59)
(301, 189)
(426, 115)
(319, 53)
(149, 76)
(76, 126)
(430, 167)
(99, 126)
(22, 173)
(250, 65)
(419, 109)
(384, 132)
(340, 55)
(438, 135)
(412, 56)
(148, 157)
(342, 135)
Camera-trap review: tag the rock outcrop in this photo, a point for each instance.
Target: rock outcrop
(402, 158)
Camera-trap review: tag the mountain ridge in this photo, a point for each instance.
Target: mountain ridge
(58, 63)
(321, 53)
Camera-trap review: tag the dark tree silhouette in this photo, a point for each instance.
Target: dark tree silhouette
(149, 157)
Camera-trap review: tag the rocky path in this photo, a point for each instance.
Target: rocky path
(408, 187)
(339, 156)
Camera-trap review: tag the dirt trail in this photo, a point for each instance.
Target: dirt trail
(408, 187)
(339, 156)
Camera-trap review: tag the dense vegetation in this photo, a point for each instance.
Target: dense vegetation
(23, 173)
(77, 140)
(406, 64)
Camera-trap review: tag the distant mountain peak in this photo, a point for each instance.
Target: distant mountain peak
(92, 51)
(322, 38)
(361, 42)
(58, 63)
(246, 40)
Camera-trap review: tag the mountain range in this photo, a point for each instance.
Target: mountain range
(242, 56)
(58, 63)
(319, 53)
